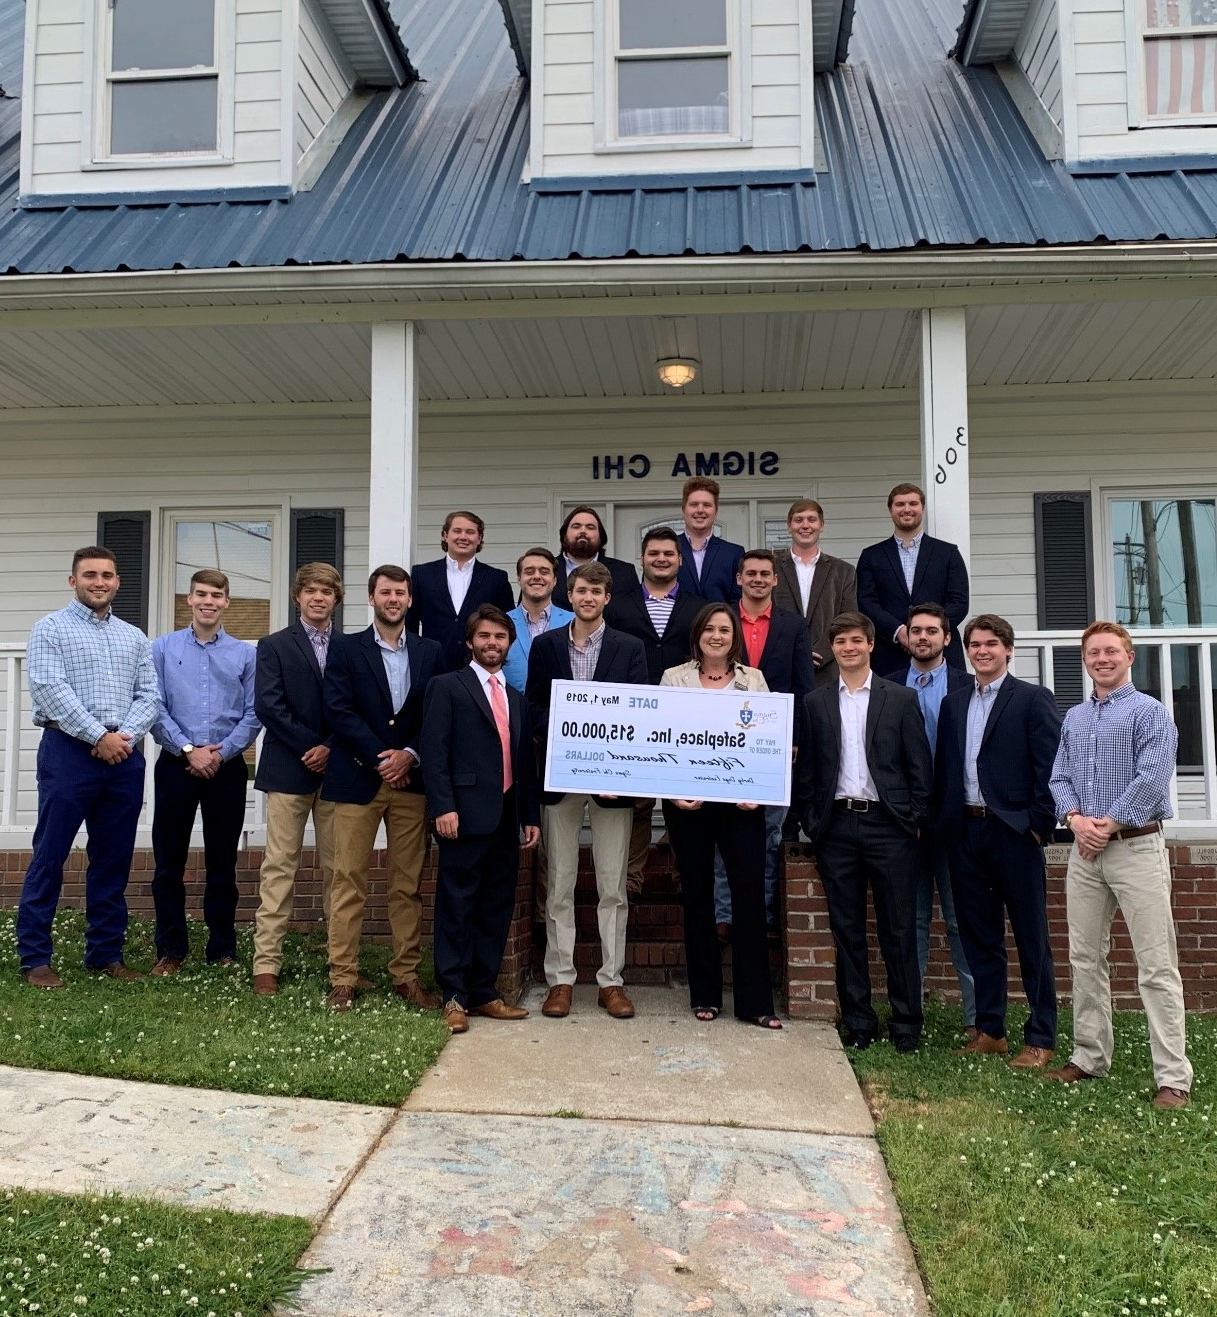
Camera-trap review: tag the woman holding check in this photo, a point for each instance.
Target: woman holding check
(696, 827)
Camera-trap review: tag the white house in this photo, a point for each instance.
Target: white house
(274, 288)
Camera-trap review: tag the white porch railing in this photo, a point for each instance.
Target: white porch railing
(1177, 667)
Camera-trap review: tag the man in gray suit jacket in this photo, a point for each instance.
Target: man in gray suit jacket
(812, 584)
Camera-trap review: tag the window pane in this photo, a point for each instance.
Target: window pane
(1185, 678)
(163, 34)
(152, 118)
(1165, 561)
(1181, 75)
(666, 97)
(649, 24)
(1180, 13)
(239, 549)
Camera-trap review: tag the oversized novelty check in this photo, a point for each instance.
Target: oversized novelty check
(669, 741)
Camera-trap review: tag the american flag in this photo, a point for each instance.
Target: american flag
(1180, 70)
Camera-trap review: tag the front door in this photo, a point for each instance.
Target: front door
(632, 520)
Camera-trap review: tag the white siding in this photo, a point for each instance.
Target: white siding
(1037, 51)
(56, 115)
(324, 77)
(778, 62)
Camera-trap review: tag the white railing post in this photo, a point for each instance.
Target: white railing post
(13, 675)
(1208, 751)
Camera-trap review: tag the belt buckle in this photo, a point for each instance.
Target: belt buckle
(859, 806)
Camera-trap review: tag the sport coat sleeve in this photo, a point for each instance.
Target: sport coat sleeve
(435, 742)
(849, 588)
(502, 595)
(528, 784)
(871, 596)
(636, 662)
(803, 674)
(1044, 734)
(918, 763)
(805, 769)
(270, 701)
(342, 708)
(955, 596)
(539, 684)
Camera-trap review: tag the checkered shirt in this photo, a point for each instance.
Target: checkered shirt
(583, 661)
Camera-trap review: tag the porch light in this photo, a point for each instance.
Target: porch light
(677, 371)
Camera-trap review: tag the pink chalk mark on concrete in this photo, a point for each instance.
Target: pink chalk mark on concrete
(818, 1286)
(487, 1252)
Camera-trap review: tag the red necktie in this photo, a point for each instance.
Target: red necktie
(502, 720)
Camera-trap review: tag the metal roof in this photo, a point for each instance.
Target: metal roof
(920, 152)
(989, 29)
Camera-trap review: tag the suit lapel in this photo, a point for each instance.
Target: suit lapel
(306, 647)
(608, 647)
(819, 583)
(893, 557)
(874, 708)
(376, 664)
(924, 554)
(1005, 692)
(565, 671)
(473, 684)
(443, 592)
(790, 578)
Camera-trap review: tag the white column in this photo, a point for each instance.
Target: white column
(945, 437)
(393, 491)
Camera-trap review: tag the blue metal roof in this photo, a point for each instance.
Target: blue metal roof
(920, 151)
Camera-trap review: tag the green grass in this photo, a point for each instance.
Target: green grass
(205, 1028)
(1024, 1197)
(125, 1257)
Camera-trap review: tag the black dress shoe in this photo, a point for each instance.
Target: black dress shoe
(905, 1044)
(858, 1041)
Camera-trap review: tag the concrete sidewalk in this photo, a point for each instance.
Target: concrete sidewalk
(548, 1168)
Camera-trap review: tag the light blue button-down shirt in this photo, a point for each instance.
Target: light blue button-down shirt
(931, 687)
(908, 557)
(980, 706)
(90, 674)
(207, 692)
(397, 667)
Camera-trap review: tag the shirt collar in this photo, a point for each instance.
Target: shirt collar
(993, 687)
(1120, 693)
(811, 562)
(454, 566)
(934, 673)
(220, 634)
(483, 675)
(83, 611)
(760, 617)
(312, 631)
(672, 593)
(596, 635)
(914, 543)
(841, 686)
(384, 644)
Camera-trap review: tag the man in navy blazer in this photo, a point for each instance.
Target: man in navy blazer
(375, 682)
(585, 650)
(583, 538)
(708, 563)
(290, 705)
(480, 774)
(997, 741)
(910, 567)
(446, 591)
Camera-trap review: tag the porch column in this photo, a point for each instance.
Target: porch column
(393, 492)
(944, 427)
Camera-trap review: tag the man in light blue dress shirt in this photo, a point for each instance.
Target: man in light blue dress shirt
(536, 613)
(207, 722)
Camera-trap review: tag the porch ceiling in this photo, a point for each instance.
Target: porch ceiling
(603, 356)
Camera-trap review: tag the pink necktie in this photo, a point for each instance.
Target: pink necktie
(502, 720)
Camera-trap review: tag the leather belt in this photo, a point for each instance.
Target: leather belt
(1127, 834)
(978, 811)
(855, 804)
(55, 727)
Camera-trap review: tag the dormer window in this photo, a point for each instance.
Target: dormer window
(162, 79)
(673, 68)
(1180, 51)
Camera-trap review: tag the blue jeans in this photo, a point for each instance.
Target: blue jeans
(74, 787)
(935, 870)
(775, 816)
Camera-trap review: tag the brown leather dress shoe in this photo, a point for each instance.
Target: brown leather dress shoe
(414, 992)
(1069, 1074)
(499, 1010)
(341, 998)
(117, 970)
(363, 984)
(166, 966)
(557, 1002)
(1171, 1099)
(1032, 1058)
(724, 934)
(616, 1002)
(42, 976)
(986, 1045)
(970, 1031)
(455, 1017)
(265, 985)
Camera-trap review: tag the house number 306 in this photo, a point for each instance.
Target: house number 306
(950, 457)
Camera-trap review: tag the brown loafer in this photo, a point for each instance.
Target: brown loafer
(341, 998)
(499, 1010)
(557, 1002)
(42, 976)
(616, 1002)
(1170, 1099)
(117, 970)
(166, 966)
(265, 985)
(364, 984)
(970, 1031)
(455, 1017)
(1032, 1058)
(986, 1045)
(724, 934)
(1069, 1074)
(414, 992)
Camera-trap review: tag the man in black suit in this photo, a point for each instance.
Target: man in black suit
(997, 740)
(375, 682)
(445, 592)
(584, 539)
(659, 612)
(708, 563)
(480, 774)
(289, 702)
(864, 786)
(584, 650)
(910, 567)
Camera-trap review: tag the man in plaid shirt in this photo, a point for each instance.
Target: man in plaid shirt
(93, 688)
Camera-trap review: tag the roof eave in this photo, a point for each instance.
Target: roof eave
(519, 32)
(987, 30)
(831, 39)
(393, 67)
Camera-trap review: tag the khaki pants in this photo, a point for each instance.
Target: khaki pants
(286, 817)
(405, 819)
(640, 839)
(610, 851)
(1134, 875)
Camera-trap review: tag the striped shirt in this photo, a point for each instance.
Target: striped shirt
(1116, 759)
(583, 661)
(91, 675)
(659, 608)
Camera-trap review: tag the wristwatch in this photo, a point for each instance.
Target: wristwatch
(187, 749)
(1069, 814)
